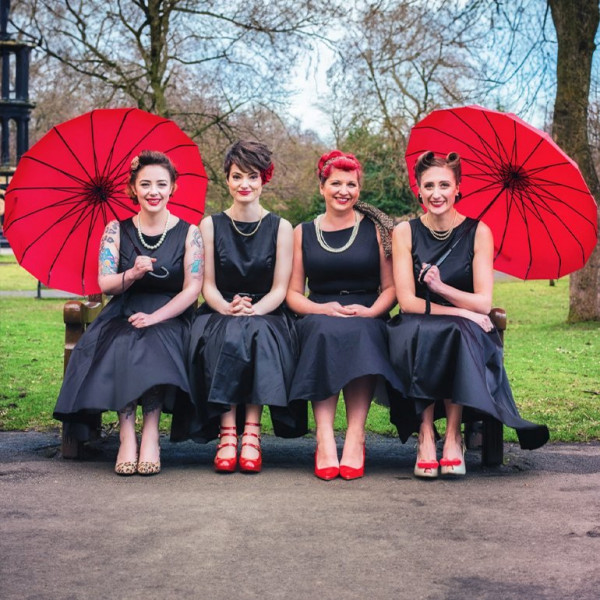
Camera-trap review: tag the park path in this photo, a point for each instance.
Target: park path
(72, 529)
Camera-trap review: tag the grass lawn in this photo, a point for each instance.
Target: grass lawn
(14, 277)
(553, 367)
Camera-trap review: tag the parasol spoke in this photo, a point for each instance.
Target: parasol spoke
(55, 168)
(71, 200)
(549, 197)
(128, 153)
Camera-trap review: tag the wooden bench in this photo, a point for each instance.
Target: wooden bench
(77, 315)
(487, 434)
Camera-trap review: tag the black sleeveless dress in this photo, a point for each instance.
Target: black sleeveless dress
(247, 359)
(336, 350)
(114, 363)
(440, 356)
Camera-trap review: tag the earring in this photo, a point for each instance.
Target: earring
(457, 197)
(419, 197)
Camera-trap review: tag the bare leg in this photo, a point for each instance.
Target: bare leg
(253, 414)
(127, 436)
(150, 445)
(357, 395)
(427, 449)
(453, 441)
(324, 411)
(228, 420)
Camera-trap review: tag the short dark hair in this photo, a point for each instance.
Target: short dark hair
(249, 156)
(430, 159)
(144, 159)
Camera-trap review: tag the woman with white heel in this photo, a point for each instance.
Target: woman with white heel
(443, 344)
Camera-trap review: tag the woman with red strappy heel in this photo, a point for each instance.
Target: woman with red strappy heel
(242, 351)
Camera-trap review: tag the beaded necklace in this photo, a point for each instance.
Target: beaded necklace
(443, 235)
(161, 239)
(325, 245)
(252, 232)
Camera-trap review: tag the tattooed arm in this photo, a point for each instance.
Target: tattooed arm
(109, 279)
(193, 262)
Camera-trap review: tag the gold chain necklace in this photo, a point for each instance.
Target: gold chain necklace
(252, 232)
(441, 236)
(161, 239)
(325, 245)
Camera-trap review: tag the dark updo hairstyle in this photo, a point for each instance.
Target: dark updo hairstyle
(429, 159)
(338, 160)
(144, 159)
(249, 156)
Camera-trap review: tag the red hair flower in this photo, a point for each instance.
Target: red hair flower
(267, 174)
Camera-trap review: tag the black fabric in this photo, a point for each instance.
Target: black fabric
(247, 359)
(457, 268)
(336, 350)
(115, 363)
(439, 356)
(329, 273)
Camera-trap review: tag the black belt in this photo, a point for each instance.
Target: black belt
(352, 292)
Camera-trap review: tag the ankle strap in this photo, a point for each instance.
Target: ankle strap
(256, 435)
(252, 424)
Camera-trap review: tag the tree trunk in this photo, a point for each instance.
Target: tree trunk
(576, 23)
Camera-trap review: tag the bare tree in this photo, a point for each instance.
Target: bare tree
(576, 23)
(199, 61)
(398, 60)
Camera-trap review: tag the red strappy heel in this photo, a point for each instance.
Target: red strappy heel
(251, 465)
(226, 465)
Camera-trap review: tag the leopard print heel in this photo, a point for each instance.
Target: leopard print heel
(126, 468)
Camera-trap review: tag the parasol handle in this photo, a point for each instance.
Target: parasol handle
(163, 276)
(165, 271)
(445, 255)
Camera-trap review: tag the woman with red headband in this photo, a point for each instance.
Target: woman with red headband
(443, 344)
(344, 255)
(242, 350)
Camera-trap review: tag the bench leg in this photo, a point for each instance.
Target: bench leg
(71, 447)
(492, 450)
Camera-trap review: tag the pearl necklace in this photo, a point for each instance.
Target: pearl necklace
(325, 245)
(161, 239)
(252, 232)
(440, 236)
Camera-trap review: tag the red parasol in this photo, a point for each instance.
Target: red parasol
(72, 182)
(519, 182)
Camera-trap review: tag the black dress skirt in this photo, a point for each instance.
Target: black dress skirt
(247, 359)
(336, 350)
(439, 356)
(114, 363)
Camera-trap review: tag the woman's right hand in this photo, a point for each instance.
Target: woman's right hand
(141, 266)
(240, 306)
(482, 320)
(335, 309)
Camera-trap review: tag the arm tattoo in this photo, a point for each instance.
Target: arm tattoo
(108, 265)
(197, 245)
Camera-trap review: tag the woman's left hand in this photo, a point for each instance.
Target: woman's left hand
(359, 310)
(141, 319)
